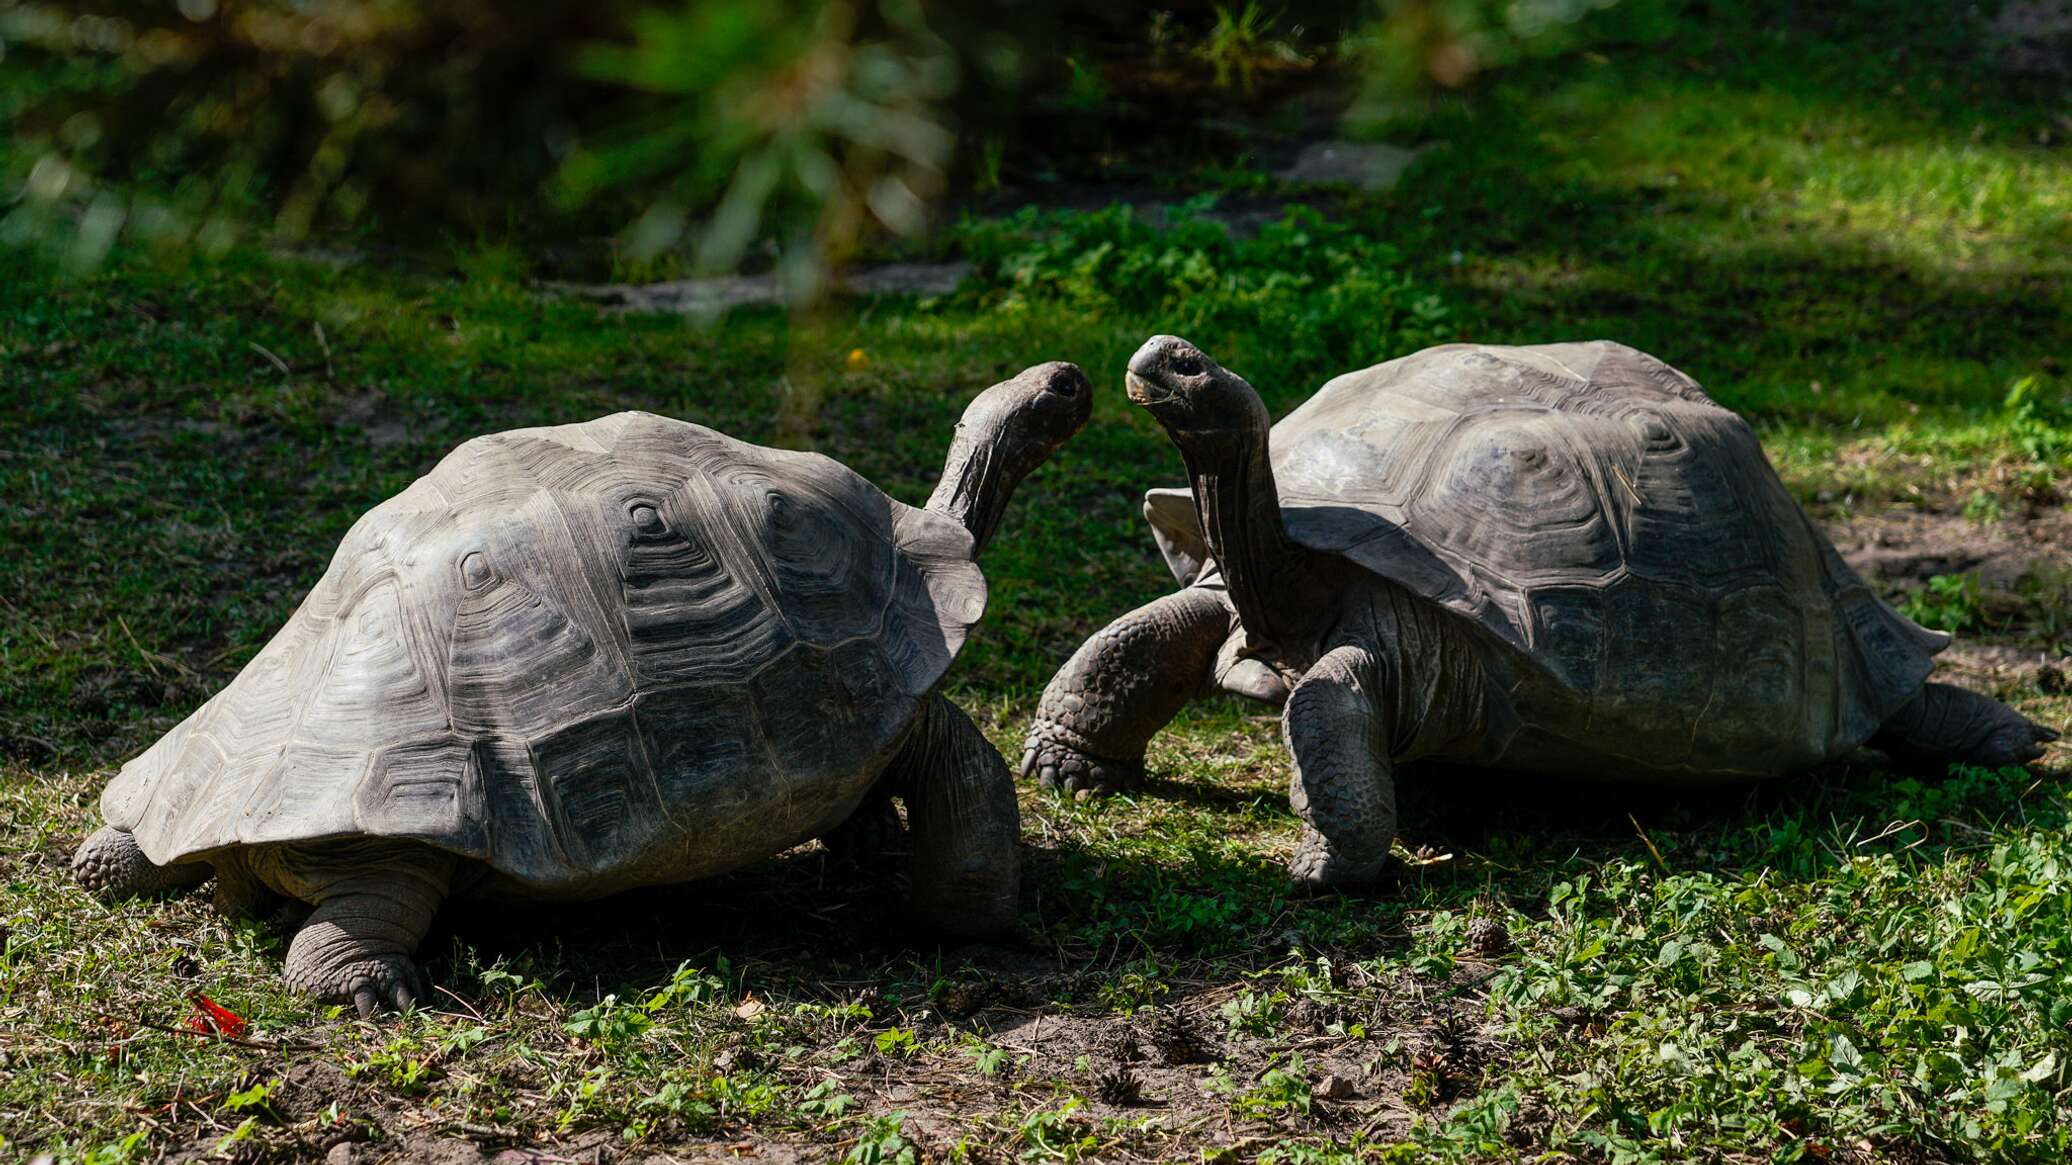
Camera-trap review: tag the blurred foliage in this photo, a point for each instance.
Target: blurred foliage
(804, 120)
(708, 134)
(189, 123)
(1411, 48)
(1305, 296)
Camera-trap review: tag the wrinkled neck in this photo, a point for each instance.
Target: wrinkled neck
(978, 480)
(1265, 570)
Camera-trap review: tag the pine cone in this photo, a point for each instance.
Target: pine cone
(1176, 1036)
(1118, 1085)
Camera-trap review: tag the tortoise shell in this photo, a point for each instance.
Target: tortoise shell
(587, 655)
(1592, 509)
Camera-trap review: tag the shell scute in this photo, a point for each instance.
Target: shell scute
(600, 798)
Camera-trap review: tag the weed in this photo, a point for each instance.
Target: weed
(1948, 602)
(1281, 1090)
(883, 1142)
(1138, 986)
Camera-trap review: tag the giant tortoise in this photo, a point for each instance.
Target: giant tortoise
(1560, 559)
(573, 660)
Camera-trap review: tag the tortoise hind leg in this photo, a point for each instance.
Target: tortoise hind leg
(374, 902)
(111, 864)
(1120, 688)
(1945, 724)
(964, 824)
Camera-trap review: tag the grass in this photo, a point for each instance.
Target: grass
(1854, 965)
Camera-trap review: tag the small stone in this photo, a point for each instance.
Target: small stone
(342, 1153)
(1336, 1087)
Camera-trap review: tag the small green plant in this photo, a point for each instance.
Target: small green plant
(2041, 425)
(986, 1058)
(826, 1101)
(883, 1142)
(1057, 1133)
(897, 1042)
(608, 1022)
(1282, 1090)
(689, 987)
(123, 1152)
(1982, 508)
(255, 1097)
(1254, 1013)
(1947, 602)
(688, 1099)
(1140, 985)
(403, 1064)
(986, 166)
(237, 1136)
(1239, 41)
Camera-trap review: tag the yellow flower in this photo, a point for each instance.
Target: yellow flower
(857, 359)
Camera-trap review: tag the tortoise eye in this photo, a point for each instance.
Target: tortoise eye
(1185, 365)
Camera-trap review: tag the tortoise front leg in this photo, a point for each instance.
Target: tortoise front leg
(1343, 786)
(964, 826)
(1944, 724)
(1412, 686)
(1122, 686)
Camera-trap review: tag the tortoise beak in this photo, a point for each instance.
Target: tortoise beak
(1139, 390)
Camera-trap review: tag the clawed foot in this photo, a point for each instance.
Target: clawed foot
(2016, 742)
(372, 985)
(389, 983)
(1316, 864)
(1056, 764)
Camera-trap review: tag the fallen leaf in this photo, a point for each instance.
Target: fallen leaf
(211, 1018)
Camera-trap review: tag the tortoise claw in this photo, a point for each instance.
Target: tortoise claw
(1057, 765)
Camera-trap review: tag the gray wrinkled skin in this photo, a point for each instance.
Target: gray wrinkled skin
(573, 660)
(1561, 559)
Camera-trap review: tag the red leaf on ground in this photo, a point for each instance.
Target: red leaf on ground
(211, 1018)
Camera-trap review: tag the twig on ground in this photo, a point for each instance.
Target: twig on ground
(279, 363)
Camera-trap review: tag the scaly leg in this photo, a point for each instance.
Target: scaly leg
(963, 824)
(1343, 786)
(1120, 688)
(374, 902)
(1945, 724)
(110, 864)
(1412, 686)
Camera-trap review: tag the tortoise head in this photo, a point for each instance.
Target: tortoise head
(1199, 401)
(1026, 418)
(1006, 432)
